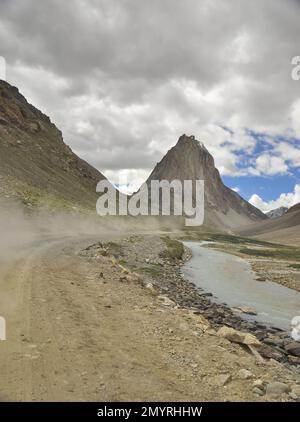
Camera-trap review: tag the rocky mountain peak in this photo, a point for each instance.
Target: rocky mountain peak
(188, 141)
(189, 159)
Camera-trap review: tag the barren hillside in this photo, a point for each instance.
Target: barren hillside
(35, 163)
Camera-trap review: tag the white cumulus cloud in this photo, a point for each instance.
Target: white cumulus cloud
(284, 200)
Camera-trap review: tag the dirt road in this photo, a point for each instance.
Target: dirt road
(74, 334)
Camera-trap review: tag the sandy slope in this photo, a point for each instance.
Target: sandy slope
(288, 236)
(73, 335)
(285, 229)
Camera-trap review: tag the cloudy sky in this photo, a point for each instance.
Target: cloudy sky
(123, 79)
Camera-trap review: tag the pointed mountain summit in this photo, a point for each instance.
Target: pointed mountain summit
(190, 160)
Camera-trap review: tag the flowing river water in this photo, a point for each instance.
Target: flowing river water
(231, 281)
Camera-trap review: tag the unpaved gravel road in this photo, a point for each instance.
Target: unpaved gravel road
(75, 336)
(49, 323)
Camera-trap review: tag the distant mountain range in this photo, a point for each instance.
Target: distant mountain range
(278, 212)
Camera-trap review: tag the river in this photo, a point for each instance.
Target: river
(231, 281)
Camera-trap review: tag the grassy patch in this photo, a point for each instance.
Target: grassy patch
(174, 249)
(282, 253)
(35, 198)
(152, 271)
(228, 238)
(296, 266)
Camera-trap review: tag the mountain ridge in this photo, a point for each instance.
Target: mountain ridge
(35, 163)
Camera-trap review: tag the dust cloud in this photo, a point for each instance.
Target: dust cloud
(22, 229)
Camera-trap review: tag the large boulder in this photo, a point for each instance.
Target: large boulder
(238, 336)
(293, 348)
(277, 388)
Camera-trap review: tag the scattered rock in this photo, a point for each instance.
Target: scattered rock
(245, 310)
(296, 389)
(293, 396)
(222, 379)
(245, 374)
(166, 301)
(293, 348)
(277, 388)
(150, 287)
(202, 322)
(238, 337)
(258, 391)
(270, 352)
(273, 341)
(258, 387)
(258, 384)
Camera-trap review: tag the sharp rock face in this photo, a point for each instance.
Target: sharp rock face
(190, 160)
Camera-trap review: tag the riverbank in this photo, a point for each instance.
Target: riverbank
(270, 261)
(232, 281)
(154, 263)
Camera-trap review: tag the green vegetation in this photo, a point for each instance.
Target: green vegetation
(152, 271)
(174, 249)
(286, 253)
(296, 266)
(227, 238)
(35, 198)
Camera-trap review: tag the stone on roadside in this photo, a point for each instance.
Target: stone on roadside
(200, 320)
(259, 384)
(166, 301)
(293, 348)
(222, 379)
(245, 310)
(296, 389)
(244, 374)
(258, 391)
(149, 286)
(277, 388)
(238, 337)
